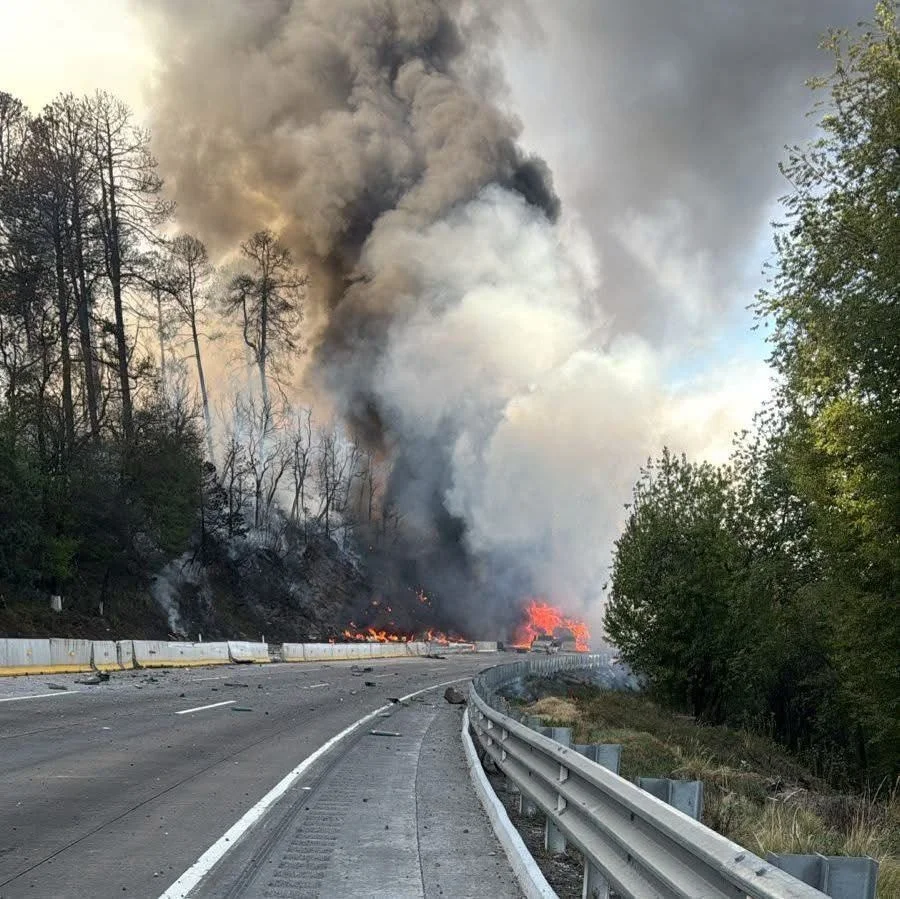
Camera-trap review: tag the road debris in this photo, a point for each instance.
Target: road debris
(57, 687)
(231, 684)
(454, 696)
(385, 733)
(240, 708)
(370, 683)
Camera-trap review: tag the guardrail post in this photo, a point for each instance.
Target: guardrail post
(527, 807)
(609, 755)
(595, 885)
(843, 877)
(554, 838)
(685, 795)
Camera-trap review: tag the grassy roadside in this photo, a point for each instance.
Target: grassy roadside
(755, 792)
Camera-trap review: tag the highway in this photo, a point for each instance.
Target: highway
(118, 789)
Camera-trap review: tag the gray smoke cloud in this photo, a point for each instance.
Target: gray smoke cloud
(460, 323)
(664, 123)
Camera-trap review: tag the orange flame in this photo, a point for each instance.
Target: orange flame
(543, 619)
(372, 635)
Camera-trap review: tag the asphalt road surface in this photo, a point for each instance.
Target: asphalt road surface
(116, 790)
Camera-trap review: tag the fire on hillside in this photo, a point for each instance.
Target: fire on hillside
(375, 635)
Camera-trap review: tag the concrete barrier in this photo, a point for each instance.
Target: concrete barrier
(333, 652)
(45, 656)
(105, 655)
(20, 655)
(307, 652)
(125, 654)
(157, 654)
(485, 646)
(241, 651)
(447, 649)
(70, 655)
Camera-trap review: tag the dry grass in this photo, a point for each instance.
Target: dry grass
(555, 711)
(756, 792)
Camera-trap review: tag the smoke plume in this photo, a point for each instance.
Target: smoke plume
(457, 321)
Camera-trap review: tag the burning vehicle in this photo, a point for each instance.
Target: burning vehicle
(548, 629)
(545, 643)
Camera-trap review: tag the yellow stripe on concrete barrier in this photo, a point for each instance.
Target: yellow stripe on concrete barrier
(105, 655)
(23, 655)
(157, 654)
(242, 651)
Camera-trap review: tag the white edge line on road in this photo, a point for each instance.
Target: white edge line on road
(203, 708)
(183, 886)
(40, 695)
(530, 877)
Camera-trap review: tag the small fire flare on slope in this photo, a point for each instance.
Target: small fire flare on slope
(542, 619)
(374, 635)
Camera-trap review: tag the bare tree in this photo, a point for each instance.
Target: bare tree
(266, 456)
(194, 271)
(160, 280)
(268, 301)
(337, 466)
(129, 206)
(233, 474)
(62, 154)
(301, 448)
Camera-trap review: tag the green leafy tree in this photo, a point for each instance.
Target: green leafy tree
(835, 305)
(673, 600)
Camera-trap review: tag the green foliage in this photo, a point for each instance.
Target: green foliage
(21, 536)
(672, 602)
(836, 344)
(767, 592)
(113, 511)
(709, 597)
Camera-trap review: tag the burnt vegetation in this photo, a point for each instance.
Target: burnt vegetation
(131, 484)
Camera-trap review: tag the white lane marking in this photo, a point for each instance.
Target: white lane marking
(40, 695)
(203, 708)
(218, 677)
(314, 686)
(183, 886)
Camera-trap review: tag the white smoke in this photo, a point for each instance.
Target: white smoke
(506, 359)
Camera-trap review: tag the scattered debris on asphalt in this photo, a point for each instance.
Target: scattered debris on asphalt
(230, 684)
(57, 687)
(454, 696)
(370, 683)
(385, 733)
(240, 708)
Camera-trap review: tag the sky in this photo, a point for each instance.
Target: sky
(663, 124)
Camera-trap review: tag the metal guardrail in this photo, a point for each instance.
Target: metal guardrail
(638, 844)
